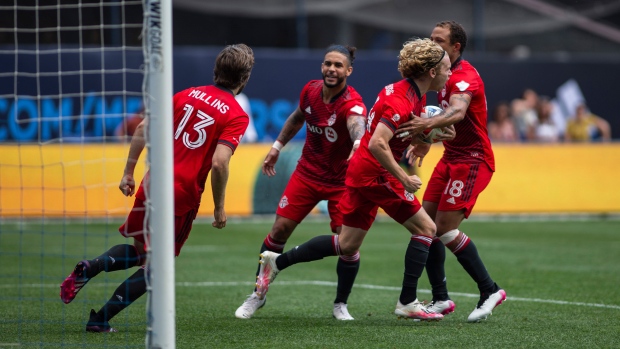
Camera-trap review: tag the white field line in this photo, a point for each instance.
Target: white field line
(333, 284)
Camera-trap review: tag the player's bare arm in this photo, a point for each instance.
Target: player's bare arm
(128, 183)
(356, 124)
(380, 149)
(219, 179)
(454, 113)
(292, 125)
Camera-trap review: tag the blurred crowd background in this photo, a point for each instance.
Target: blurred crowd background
(551, 67)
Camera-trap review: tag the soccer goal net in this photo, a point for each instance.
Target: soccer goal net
(76, 78)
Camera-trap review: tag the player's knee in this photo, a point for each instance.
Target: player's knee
(429, 229)
(349, 249)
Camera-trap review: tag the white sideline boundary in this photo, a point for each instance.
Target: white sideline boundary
(334, 284)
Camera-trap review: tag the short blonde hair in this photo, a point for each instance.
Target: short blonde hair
(418, 56)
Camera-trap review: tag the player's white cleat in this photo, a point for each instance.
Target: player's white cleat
(441, 307)
(415, 310)
(341, 312)
(250, 306)
(486, 305)
(266, 273)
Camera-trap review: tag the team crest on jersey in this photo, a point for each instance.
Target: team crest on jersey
(283, 202)
(396, 117)
(409, 196)
(331, 134)
(462, 85)
(332, 119)
(389, 89)
(443, 92)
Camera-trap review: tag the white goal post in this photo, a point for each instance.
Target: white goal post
(157, 40)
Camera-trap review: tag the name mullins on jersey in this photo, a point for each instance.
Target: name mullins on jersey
(215, 103)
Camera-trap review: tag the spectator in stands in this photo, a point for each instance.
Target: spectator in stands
(524, 113)
(545, 130)
(502, 128)
(585, 126)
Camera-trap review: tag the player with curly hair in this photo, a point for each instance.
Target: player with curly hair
(374, 179)
(335, 118)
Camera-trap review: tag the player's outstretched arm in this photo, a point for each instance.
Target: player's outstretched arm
(128, 184)
(219, 179)
(292, 125)
(356, 124)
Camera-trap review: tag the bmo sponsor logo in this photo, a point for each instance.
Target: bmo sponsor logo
(314, 129)
(329, 132)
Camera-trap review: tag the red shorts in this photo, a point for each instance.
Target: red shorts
(359, 205)
(456, 186)
(134, 226)
(300, 197)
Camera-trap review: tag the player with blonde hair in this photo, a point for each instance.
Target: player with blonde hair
(374, 179)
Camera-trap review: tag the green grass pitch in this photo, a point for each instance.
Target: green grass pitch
(562, 280)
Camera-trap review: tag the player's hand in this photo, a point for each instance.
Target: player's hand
(220, 218)
(417, 153)
(270, 162)
(447, 134)
(355, 146)
(412, 183)
(128, 185)
(413, 127)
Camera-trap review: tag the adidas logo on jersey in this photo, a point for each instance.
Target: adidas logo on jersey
(308, 110)
(451, 200)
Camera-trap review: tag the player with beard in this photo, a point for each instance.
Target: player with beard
(335, 118)
(461, 175)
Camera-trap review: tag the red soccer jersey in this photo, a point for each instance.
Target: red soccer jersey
(393, 107)
(328, 142)
(471, 144)
(204, 117)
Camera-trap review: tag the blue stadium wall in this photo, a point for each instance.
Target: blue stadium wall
(273, 89)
